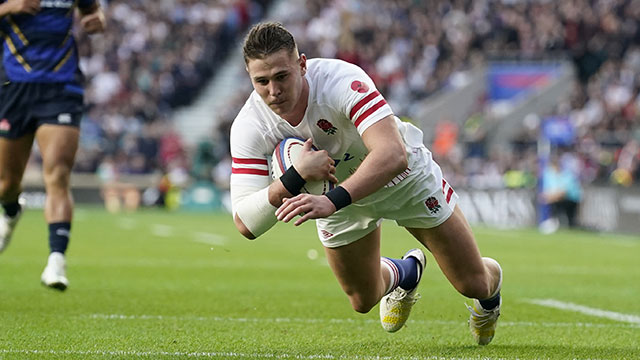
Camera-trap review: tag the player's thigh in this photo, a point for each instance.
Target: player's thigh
(16, 131)
(14, 154)
(58, 145)
(454, 247)
(357, 265)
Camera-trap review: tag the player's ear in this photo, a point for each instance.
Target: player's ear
(302, 62)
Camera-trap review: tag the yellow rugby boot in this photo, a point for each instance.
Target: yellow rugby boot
(482, 323)
(395, 307)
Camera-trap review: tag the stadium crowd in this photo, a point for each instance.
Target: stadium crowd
(157, 56)
(601, 38)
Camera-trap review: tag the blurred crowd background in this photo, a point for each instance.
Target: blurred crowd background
(157, 56)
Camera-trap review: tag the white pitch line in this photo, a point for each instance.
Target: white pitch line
(209, 238)
(344, 321)
(612, 315)
(228, 354)
(161, 230)
(127, 224)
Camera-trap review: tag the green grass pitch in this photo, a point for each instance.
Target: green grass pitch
(162, 285)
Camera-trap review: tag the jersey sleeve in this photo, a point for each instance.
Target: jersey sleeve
(357, 97)
(250, 165)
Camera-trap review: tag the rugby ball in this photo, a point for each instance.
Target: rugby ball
(285, 154)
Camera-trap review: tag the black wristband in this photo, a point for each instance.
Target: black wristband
(292, 181)
(339, 197)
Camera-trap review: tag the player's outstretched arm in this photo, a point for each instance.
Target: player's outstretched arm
(242, 228)
(255, 205)
(386, 159)
(253, 211)
(92, 19)
(9, 7)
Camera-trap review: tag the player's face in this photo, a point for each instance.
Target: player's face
(279, 79)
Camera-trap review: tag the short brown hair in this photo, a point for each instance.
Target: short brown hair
(265, 39)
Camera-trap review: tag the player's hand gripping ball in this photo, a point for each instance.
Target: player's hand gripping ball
(284, 155)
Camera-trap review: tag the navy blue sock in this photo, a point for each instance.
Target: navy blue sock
(490, 303)
(407, 272)
(59, 236)
(12, 209)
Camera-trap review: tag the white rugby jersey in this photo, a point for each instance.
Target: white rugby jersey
(343, 103)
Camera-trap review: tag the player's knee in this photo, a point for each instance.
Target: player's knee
(362, 303)
(57, 177)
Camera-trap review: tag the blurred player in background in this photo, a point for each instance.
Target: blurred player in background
(41, 98)
(562, 191)
(382, 167)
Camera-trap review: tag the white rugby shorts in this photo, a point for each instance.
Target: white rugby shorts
(418, 198)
